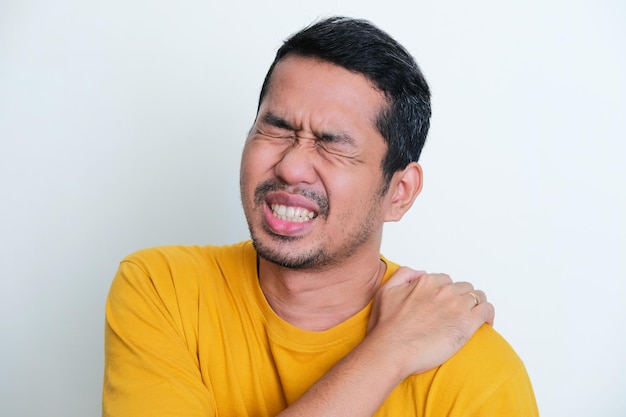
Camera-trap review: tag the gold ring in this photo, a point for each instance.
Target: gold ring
(475, 297)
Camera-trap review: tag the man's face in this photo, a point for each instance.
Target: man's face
(311, 175)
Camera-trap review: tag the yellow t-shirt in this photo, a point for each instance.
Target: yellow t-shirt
(189, 333)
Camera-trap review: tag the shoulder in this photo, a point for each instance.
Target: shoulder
(181, 269)
(485, 374)
(173, 281)
(187, 256)
(486, 353)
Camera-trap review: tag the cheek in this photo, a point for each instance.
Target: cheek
(346, 193)
(358, 187)
(256, 160)
(249, 165)
(352, 197)
(256, 166)
(246, 172)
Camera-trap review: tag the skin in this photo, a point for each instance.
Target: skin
(319, 142)
(314, 146)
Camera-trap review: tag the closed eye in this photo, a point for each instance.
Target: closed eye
(337, 143)
(272, 120)
(273, 127)
(338, 139)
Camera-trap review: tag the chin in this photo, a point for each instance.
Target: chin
(284, 254)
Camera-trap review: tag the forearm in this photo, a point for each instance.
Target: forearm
(355, 387)
(415, 326)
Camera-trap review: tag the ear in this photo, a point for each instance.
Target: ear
(404, 188)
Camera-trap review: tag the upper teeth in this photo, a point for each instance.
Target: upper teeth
(292, 214)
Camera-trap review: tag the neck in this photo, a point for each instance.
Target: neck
(318, 300)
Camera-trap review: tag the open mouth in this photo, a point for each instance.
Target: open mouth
(292, 213)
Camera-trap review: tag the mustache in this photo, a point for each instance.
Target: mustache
(272, 185)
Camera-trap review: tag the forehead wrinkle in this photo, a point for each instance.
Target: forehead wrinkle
(281, 112)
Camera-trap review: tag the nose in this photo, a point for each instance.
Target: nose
(297, 163)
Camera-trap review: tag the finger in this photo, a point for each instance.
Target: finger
(476, 297)
(404, 275)
(437, 279)
(462, 287)
(482, 297)
(484, 312)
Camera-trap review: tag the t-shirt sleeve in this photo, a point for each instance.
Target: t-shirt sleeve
(514, 398)
(485, 378)
(151, 360)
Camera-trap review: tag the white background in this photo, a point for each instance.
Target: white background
(121, 124)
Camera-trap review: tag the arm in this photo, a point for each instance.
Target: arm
(418, 321)
(151, 370)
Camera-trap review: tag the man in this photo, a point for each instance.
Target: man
(309, 319)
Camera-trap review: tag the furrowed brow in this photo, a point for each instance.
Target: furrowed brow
(336, 137)
(276, 121)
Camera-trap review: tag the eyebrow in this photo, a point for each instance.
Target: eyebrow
(336, 137)
(277, 121)
(330, 137)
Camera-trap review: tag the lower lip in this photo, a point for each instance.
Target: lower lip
(284, 227)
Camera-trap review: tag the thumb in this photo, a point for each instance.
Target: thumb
(403, 275)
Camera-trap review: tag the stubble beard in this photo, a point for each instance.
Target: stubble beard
(282, 250)
(284, 256)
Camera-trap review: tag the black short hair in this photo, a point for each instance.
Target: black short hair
(359, 46)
